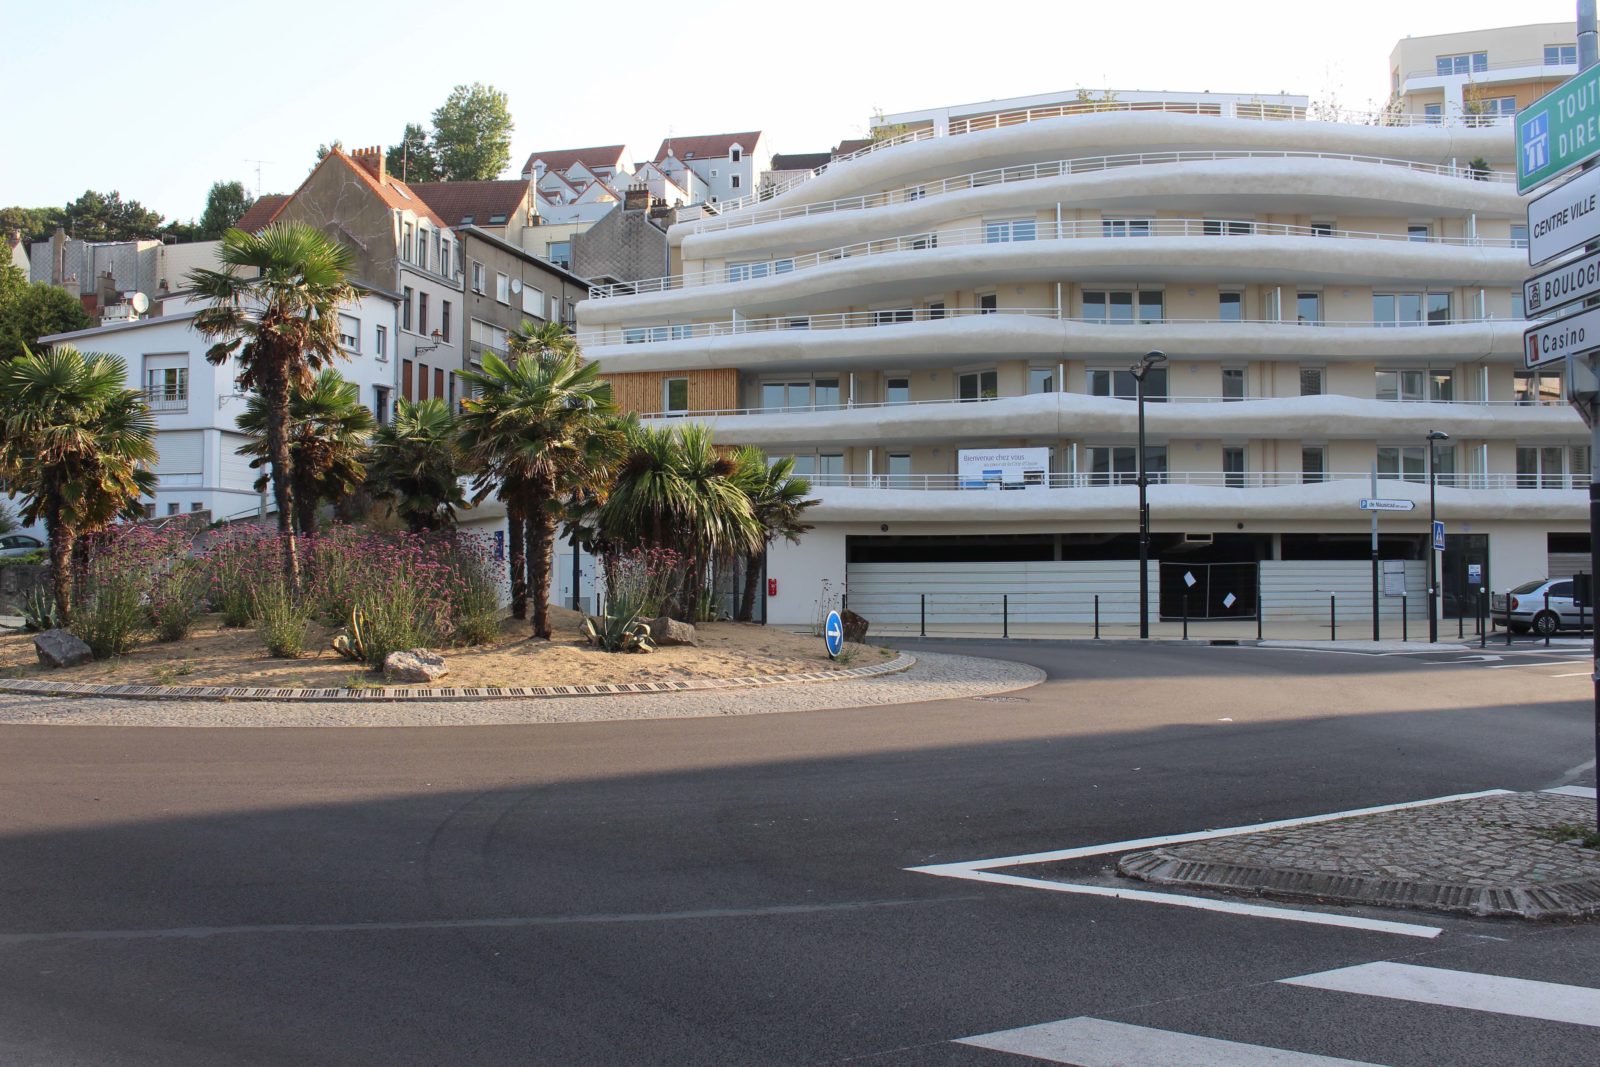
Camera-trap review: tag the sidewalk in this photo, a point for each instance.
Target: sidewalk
(1500, 855)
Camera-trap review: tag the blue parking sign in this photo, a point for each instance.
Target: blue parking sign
(833, 634)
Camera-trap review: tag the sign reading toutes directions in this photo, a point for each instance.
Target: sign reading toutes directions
(1559, 131)
(1556, 339)
(1564, 218)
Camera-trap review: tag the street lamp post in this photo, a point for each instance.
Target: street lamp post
(1139, 370)
(1434, 437)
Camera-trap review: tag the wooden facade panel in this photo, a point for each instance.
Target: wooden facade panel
(709, 390)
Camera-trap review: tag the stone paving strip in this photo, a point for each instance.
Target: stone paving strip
(1483, 856)
(905, 679)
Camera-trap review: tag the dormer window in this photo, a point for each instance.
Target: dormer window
(497, 220)
(466, 220)
(734, 154)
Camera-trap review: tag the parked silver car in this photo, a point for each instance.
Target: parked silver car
(1543, 606)
(19, 544)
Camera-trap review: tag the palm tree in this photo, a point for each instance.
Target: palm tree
(537, 431)
(329, 432)
(276, 303)
(78, 445)
(778, 499)
(415, 464)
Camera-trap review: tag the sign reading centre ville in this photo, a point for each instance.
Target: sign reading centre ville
(1559, 131)
(1555, 339)
(996, 468)
(1564, 218)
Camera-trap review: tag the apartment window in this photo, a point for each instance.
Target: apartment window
(1125, 227)
(1120, 384)
(733, 181)
(1560, 55)
(1518, 310)
(559, 253)
(831, 464)
(533, 302)
(735, 154)
(1400, 385)
(1119, 464)
(785, 396)
(1519, 234)
(1433, 114)
(988, 304)
(1322, 229)
(897, 390)
(405, 309)
(166, 381)
(172, 508)
(1230, 307)
(502, 288)
(1419, 231)
(1308, 308)
(444, 258)
(714, 172)
(825, 394)
(1233, 383)
(1537, 387)
(1442, 386)
(349, 333)
(149, 511)
(1462, 63)
(444, 321)
(1500, 105)
(1541, 467)
(1227, 228)
(916, 192)
(380, 343)
(1403, 463)
(1233, 466)
(1313, 464)
(438, 382)
(1041, 379)
(892, 315)
(1411, 309)
(405, 380)
(743, 272)
(435, 239)
(638, 335)
(380, 404)
(1311, 381)
(675, 395)
(1118, 307)
(408, 231)
(196, 505)
(899, 470)
(936, 309)
(422, 313)
(477, 278)
(486, 333)
(1008, 230)
(978, 385)
(422, 248)
(927, 240)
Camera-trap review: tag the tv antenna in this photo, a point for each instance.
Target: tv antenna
(258, 163)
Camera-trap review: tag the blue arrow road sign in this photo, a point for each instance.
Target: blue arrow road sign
(1438, 537)
(833, 634)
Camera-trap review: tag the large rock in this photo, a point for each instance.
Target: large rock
(667, 631)
(414, 665)
(855, 627)
(59, 648)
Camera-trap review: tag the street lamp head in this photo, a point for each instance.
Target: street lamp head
(1438, 435)
(1151, 359)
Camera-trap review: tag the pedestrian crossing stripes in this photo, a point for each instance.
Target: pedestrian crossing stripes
(1090, 1042)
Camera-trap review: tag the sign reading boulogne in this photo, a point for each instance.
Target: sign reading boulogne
(1564, 218)
(1559, 130)
(1561, 285)
(1554, 339)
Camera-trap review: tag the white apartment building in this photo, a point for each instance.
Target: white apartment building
(1481, 72)
(954, 313)
(196, 404)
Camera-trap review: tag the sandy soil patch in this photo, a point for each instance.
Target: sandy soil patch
(215, 655)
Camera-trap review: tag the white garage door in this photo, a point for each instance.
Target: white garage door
(952, 594)
(236, 472)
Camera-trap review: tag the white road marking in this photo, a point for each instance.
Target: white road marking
(1585, 791)
(1527, 999)
(982, 871)
(1087, 1042)
(1574, 674)
(1540, 663)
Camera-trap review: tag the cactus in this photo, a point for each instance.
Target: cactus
(618, 633)
(352, 644)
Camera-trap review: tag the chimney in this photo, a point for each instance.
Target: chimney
(58, 256)
(636, 198)
(106, 290)
(370, 160)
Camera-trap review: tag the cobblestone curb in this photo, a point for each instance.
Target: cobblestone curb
(1483, 856)
(44, 687)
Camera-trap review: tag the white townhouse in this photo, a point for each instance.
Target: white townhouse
(956, 311)
(727, 163)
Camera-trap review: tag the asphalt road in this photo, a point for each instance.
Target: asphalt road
(734, 891)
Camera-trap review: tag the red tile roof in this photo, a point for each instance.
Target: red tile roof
(261, 213)
(707, 146)
(561, 159)
(392, 191)
(474, 203)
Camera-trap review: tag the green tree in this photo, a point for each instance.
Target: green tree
(276, 305)
(778, 499)
(472, 133)
(31, 310)
(413, 159)
(107, 217)
(78, 447)
(34, 223)
(415, 464)
(226, 204)
(324, 149)
(330, 430)
(538, 431)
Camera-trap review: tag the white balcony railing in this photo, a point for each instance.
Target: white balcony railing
(166, 400)
(1212, 479)
(1059, 169)
(660, 333)
(977, 124)
(1067, 230)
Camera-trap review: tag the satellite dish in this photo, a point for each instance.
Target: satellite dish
(140, 303)
(516, 285)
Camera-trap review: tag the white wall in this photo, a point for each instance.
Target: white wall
(801, 571)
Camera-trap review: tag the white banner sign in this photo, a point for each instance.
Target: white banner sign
(979, 468)
(1565, 218)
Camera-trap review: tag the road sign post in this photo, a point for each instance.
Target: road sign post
(833, 635)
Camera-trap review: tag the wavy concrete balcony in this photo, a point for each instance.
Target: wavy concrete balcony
(1176, 251)
(863, 340)
(1202, 497)
(1128, 127)
(1244, 183)
(1053, 416)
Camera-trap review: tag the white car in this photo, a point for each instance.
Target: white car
(1543, 606)
(19, 544)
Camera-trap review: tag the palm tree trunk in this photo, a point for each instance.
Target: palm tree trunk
(516, 549)
(62, 545)
(305, 505)
(274, 388)
(752, 584)
(541, 549)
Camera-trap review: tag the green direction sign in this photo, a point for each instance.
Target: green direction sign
(1559, 130)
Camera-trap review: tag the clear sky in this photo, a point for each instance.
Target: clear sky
(159, 98)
